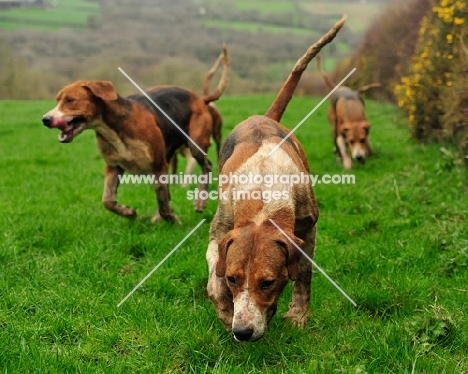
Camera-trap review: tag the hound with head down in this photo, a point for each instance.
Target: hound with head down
(249, 260)
(350, 127)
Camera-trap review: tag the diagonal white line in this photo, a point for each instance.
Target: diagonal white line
(160, 263)
(312, 111)
(313, 263)
(162, 111)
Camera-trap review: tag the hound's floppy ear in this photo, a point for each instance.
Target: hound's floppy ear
(293, 255)
(366, 127)
(102, 89)
(223, 247)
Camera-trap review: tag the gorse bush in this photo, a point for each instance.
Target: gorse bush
(433, 92)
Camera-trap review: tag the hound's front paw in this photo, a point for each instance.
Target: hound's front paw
(170, 218)
(299, 319)
(347, 163)
(127, 212)
(200, 205)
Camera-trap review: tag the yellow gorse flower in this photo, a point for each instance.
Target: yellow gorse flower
(430, 74)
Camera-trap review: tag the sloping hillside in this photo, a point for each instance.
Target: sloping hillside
(167, 42)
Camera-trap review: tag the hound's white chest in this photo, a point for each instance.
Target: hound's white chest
(134, 156)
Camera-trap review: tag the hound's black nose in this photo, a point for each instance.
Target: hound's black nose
(243, 334)
(361, 159)
(47, 121)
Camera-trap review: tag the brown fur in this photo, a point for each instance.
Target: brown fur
(249, 260)
(133, 136)
(347, 116)
(217, 121)
(127, 136)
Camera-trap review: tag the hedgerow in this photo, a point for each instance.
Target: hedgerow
(434, 92)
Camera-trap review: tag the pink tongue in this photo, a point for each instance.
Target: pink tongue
(60, 124)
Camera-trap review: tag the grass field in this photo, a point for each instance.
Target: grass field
(63, 14)
(360, 15)
(396, 241)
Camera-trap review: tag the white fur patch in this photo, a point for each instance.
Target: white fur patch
(212, 255)
(247, 315)
(57, 113)
(358, 151)
(341, 143)
(261, 163)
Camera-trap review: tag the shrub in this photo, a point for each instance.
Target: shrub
(19, 81)
(433, 93)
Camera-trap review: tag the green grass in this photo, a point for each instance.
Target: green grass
(64, 13)
(278, 6)
(396, 241)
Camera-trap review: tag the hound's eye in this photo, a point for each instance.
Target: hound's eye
(363, 141)
(231, 281)
(69, 101)
(266, 284)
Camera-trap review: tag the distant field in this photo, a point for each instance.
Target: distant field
(75, 14)
(280, 70)
(262, 6)
(360, 15)
(296, 13)
(63, 14)
(258, 27)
